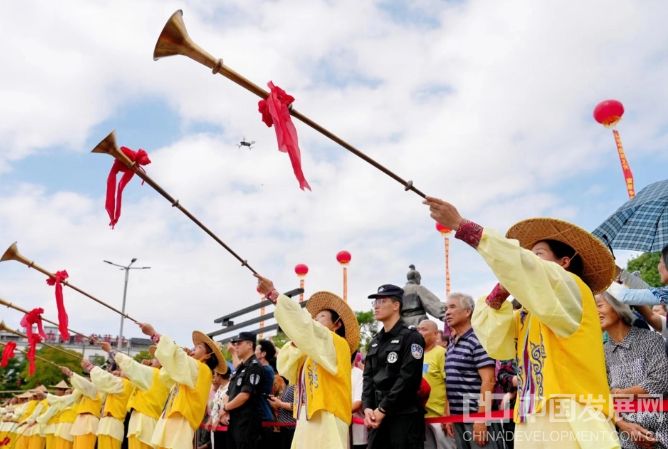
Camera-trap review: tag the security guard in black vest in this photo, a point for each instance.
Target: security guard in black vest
(392, 376)
(243, 404)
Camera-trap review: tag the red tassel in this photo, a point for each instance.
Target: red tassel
(62, 313)
(274, 110)
(33, 317)
(114, 199)
(7, 353)
(32, 346)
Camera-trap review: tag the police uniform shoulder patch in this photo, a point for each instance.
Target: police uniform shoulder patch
(392, 357)
(416, 351)
(254, 379)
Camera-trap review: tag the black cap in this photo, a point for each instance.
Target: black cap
(245, 336)
(389, 291)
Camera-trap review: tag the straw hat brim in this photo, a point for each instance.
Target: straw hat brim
(62, 385)
(599, 263)
(200, 337)
(320, 301)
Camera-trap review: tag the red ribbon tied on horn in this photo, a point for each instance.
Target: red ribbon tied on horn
(62, 313)
(33, 317)
(32, 347)
(114, 197)
(274, 110)
(7, 353)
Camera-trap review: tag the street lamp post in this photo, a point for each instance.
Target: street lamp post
(127, 269)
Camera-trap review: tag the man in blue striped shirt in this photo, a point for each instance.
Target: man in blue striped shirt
(469, 375)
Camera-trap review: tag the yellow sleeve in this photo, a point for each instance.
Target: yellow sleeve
(65, 400)
(139, 374)
(36, 411)
(544, 288)
(180, 367)
(106, 382)
(85, 386)
(288, 362)
(48, 414)
(496, 329)
(311, 337)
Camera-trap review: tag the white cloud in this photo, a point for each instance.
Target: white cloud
(490, 109)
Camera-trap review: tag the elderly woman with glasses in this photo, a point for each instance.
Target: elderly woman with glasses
(636, 365)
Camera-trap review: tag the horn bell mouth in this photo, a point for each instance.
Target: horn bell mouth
(172, 38)
(11, 252)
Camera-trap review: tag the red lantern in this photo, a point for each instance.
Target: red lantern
(343, 257)
(301, 269)
(442, 229)
(608, 112)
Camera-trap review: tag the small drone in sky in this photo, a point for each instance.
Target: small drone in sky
(245, 143)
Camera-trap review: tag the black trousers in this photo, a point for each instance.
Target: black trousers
(244, 433)
(398, 432)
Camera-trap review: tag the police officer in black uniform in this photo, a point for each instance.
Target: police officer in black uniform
(392, 376)
(243, 404)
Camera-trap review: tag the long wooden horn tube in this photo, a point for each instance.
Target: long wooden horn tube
(12, 253)
(11, 305)
(4, 327)
(36, 356)
(174, 40)
(108, 145)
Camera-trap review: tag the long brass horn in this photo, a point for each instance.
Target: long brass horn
(12, 253)
(36, 356)
(11, 305)
(174, 40)
(108, 146)
(6, 328)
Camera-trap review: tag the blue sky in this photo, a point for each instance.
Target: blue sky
(486, 105)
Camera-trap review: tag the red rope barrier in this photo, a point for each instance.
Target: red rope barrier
(621, 406)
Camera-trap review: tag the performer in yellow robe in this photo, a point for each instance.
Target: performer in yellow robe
(33, 430)
(110, 430)
(317, 361)
(148, 399)
(47, 420)
(84, 427)
(19, 440)
(550, 267)
(191, 374)
(63, 432)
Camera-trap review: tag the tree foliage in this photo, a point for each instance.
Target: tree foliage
(368, 328)
(47, 374)
(646, 264)
(143, 355)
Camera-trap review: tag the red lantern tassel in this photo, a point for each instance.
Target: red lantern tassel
(7, 353)
(32, 347)
(626, 168)
(62, 313)
(274, 110)
(114, 199)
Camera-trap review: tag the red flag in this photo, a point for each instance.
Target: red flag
(114, 198)
(274, 110)
(7, 353)
(33, 317)
(32, 346)
(62, 313)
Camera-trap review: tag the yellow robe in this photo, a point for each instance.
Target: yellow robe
(148, 400)
(322, 424)
(557, 342)
(174, 430)
(110, 431)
